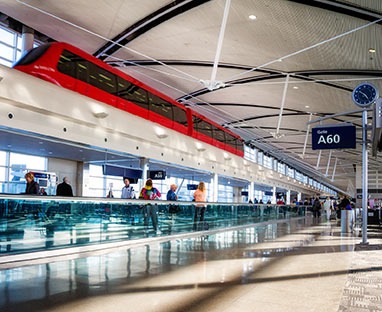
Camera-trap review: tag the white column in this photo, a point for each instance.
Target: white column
(287, 199)
(251, 191)
(299, 196)
(237, 198)
(27, 39)
(215, 187)
(274, 195)
(144, 165)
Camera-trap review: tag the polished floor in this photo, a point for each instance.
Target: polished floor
(301, 265)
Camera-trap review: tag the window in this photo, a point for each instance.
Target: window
(132, 93)
(13, 167)
(74, 66)
(219, 135)
(102, 79)
(267, 162)
(160, 106)
(290, 172)
(260, 157)
(10, 46)
(203, 126)
(250, 153)
(180, 115)
(231, 140)
(281, 168)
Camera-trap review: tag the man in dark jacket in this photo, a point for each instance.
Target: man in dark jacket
(316, 208)
(64, 188)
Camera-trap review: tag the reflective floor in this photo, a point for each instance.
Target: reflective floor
(300, 265)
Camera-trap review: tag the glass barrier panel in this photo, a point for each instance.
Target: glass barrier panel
(37, 223)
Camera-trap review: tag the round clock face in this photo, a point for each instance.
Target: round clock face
(365, 94)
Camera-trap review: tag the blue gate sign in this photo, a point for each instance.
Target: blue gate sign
(333, 136)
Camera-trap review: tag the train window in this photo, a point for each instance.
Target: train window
(83, 70)
(33, 55)
(160, 106)
(67, 64)
(239, 145)
(219, 135)
(132, 93)
(203, 127)
(180, 115)
(73, 65)
(231, 140)
(102, 79)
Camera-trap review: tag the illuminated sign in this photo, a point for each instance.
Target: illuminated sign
(156, 174)
(333, 137)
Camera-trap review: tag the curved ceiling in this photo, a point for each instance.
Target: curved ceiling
(265, 78)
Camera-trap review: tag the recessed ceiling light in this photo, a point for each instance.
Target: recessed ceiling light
(295, 87)
(307, 106)
(252, 17)
(372, 50)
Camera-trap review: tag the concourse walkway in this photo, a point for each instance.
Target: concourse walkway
(286, 265)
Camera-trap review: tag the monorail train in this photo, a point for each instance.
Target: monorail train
(67, 66)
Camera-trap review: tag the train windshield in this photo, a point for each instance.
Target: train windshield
(32, 55)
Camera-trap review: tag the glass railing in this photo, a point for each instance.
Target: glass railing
(37, 223)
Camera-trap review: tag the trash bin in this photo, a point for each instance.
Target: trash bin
(346, 221)
(374, 216)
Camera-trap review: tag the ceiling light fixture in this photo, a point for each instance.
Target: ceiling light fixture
(252, 17)
(277, 135)
(200, 147)
(100, 115)
(162, 135)
(227, 156)
(372, 50)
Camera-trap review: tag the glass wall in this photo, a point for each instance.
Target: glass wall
(14, 166)
(99, 186)
(10, 46)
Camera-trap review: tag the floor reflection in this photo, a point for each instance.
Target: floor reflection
(199, 262)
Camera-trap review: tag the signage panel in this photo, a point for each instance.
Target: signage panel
(192, 187)
(333, 137)
(156, 174)
(132, 174)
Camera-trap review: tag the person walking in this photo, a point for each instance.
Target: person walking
(328, 208)
(64, 188)
(148, 192)
(316, 208)
(128, 190)
(200, 195)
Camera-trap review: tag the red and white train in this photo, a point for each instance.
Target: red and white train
(71, 68)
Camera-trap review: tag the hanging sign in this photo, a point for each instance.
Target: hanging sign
(333, 137)
(156, 174)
